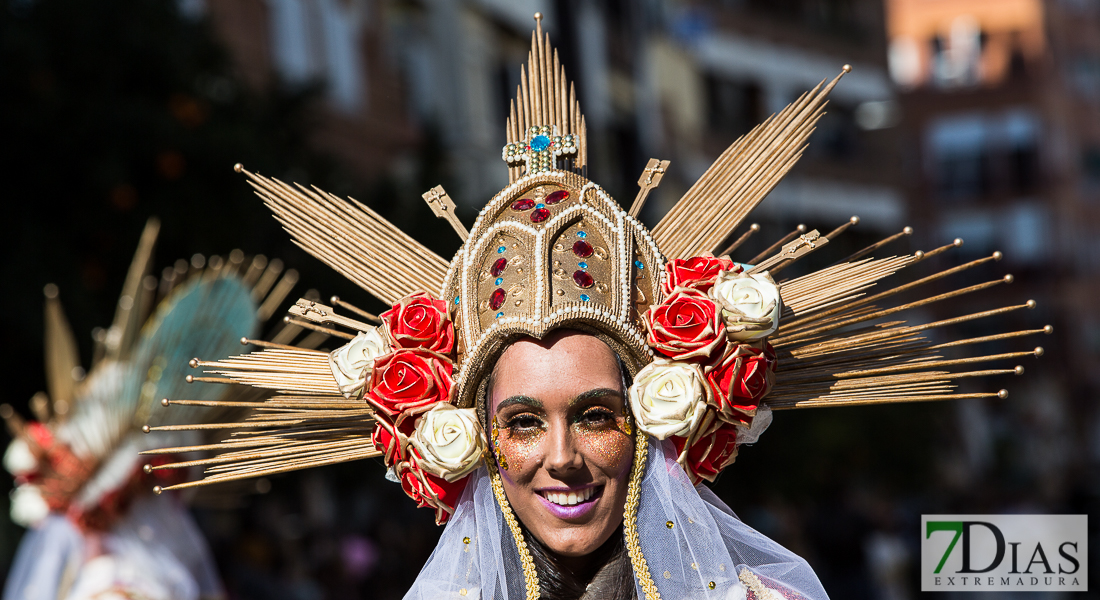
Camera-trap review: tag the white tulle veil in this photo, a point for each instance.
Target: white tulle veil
(707, 552)
(155, 552)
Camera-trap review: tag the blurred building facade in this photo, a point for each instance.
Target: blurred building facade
(1001, 105)
(660, 78)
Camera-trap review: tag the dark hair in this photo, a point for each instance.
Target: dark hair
(558, 582)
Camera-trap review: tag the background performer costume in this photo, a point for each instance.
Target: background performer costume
(82, 487)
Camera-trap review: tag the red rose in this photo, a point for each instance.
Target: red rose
(391, 441)
(427, 489)
(420, 321)
(408, 382)
(696, 272)
(740, 379)
(687, 325)
(710, 453)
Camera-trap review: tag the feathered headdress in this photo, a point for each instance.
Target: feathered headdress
(80, 456)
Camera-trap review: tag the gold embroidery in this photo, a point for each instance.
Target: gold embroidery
(530, 575)
(630, 518)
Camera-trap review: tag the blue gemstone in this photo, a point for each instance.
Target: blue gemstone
(456, 299)
(582, 234)
(501, 250)
(585, 298)
(540, 143)
(500, 280)
(639, 264)
(540, 205)
(583, 265)
(500, 314)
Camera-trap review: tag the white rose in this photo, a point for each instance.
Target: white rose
(669, 398)
(750, 304)
(351, 363)
(28, 507)
(18, 459)
(449, 441)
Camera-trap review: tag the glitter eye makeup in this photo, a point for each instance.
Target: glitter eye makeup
(522, 431)
(598, 433)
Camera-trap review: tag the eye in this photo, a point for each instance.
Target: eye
(524, 422)
(597, 415)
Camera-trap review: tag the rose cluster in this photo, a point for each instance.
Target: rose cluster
(714, 365)
(403, 370)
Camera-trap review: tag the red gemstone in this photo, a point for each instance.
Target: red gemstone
(498, 266)
(556, 197)
(540, 215)
(524, 204)
(497, 299)
(583, 279)
(582, 248)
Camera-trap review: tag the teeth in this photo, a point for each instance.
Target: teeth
(570, 498)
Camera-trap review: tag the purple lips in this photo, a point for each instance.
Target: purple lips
(575, 511)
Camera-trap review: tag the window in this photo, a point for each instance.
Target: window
(733, 107)
(319, 40)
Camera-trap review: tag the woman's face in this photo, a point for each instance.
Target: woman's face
(559, 408)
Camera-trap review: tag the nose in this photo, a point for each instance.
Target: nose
(562, 457)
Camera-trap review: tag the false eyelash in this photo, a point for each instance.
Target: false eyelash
(605, 413)
(511, 423)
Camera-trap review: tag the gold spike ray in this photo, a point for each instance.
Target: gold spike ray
(741, 177)
(545, 98)
(444, 208)
(325, 315)
(125, 328)
(352, 239)
(62, 358)
(651, 177)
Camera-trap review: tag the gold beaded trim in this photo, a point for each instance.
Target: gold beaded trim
(630, 519)
(530, 575)
(753, 582)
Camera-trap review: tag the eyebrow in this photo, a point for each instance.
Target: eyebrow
(534, 403)
(524, 400)
(596, 393)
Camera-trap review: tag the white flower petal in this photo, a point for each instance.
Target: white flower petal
(18, 458)
(449, 441)
(669, 398)
(28, 507)
(351, 363)
(750, 304)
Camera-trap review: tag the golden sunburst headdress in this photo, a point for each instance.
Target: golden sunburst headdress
(711, 344)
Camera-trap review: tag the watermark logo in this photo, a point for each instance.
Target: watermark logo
(975, 553)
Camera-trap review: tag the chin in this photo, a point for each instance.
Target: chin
(575, 546)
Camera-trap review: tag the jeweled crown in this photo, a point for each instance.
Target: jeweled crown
(551, 250)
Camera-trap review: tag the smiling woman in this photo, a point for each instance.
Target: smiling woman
(564, 447)
(580, 499)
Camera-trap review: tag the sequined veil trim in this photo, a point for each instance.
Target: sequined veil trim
(530, 574)
(757, 587)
